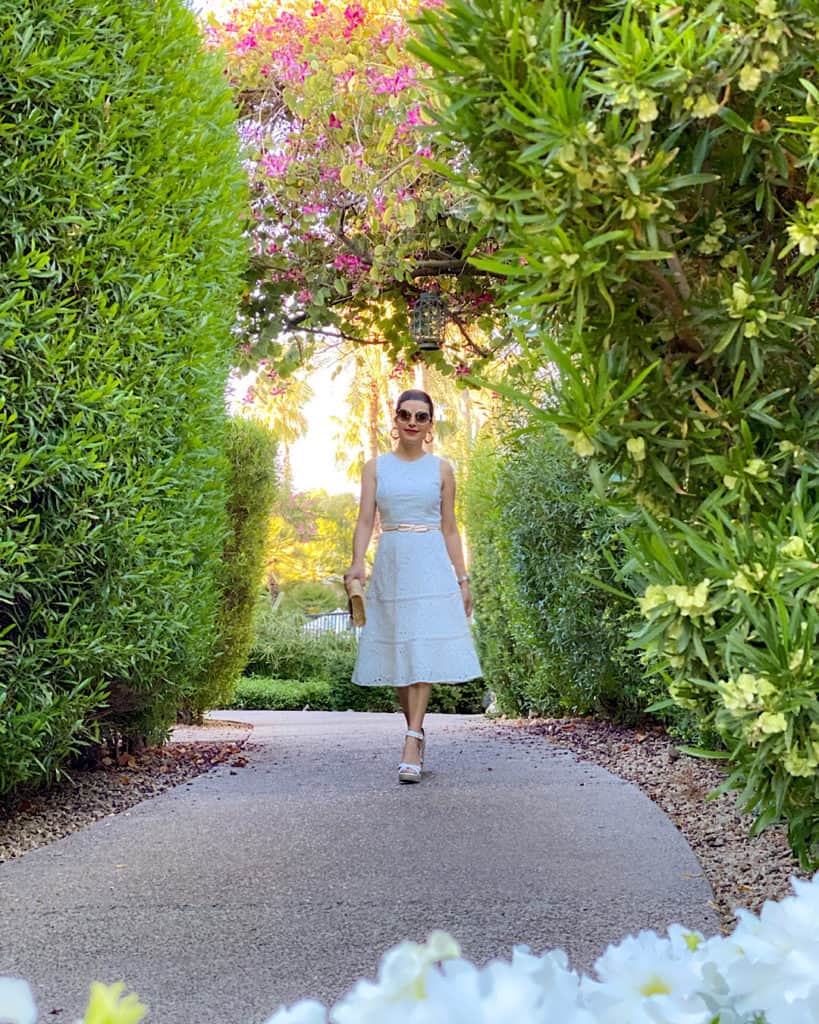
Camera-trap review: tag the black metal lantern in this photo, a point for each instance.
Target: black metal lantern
(430, 316)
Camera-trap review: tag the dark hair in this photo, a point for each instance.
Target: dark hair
(414, 395)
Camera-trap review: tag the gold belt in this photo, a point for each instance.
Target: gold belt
(409, 528)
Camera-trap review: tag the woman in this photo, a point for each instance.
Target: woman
(417, 631)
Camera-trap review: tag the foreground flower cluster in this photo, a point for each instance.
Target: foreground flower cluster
(766, 972)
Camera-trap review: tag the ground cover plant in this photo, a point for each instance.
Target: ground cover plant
(649, 173)
(122, 253)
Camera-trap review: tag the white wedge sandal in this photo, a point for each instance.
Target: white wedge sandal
(412, 772)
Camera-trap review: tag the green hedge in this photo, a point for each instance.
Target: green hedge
(258, 693)
(551, 640)
(121, 237)
(252, 490)
(283, 649)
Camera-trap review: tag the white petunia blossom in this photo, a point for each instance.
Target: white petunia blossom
(401, 983)
(772, 961)
(16, 1002)
(649, 980)
(308, 1011)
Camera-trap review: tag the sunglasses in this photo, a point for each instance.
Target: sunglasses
(406, 416)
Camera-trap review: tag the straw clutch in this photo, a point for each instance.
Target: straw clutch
(358, 612)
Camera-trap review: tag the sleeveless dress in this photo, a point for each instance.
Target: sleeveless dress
(416, 630)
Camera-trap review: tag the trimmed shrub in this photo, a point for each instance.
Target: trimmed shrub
(122, 253)
(251, 493)
(555, 642)
(258, 693)
(283, 649)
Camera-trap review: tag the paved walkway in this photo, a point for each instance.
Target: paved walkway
(219, 900)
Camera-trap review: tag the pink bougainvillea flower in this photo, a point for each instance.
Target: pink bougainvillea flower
(349, 263)
(317, 9)
(395, 32)
(288, 22)
(355, 15)
(246, 43)
(397, 83)
(333, 122)
(275, 165)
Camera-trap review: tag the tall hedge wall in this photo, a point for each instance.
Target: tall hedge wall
(121, 256)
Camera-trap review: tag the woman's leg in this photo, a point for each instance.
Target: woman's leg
(417, 700)
(403, 700)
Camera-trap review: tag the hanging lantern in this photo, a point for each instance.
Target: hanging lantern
(429, 319)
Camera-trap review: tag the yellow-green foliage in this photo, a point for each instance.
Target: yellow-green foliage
(650, 172)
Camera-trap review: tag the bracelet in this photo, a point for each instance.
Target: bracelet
(463, 579)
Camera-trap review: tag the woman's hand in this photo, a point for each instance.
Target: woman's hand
(357, 571)
(466, 594)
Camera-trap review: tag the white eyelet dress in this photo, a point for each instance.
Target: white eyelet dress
(416, 630)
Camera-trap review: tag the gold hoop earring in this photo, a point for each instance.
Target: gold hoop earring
(394, 433)
(429, 438)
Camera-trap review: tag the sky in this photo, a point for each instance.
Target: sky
(313, 458)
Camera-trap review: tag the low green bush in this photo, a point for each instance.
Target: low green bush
(284, 649)
(258, 693)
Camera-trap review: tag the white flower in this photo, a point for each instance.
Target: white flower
(648, 980)
(305, 1012)
(16, 1002)
(775, 969)
(530, 990)
(401, 983)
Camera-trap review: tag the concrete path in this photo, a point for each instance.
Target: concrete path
(219, 900)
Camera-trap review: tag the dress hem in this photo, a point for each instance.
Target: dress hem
(433, 682)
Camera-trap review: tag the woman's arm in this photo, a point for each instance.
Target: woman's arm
(452, 538)
(364, 526)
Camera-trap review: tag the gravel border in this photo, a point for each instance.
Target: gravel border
(743, 871)
(91, 794)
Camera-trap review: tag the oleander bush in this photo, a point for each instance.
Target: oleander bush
(251, 450)
(552, 639)
(121, 252)
(650, 172)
